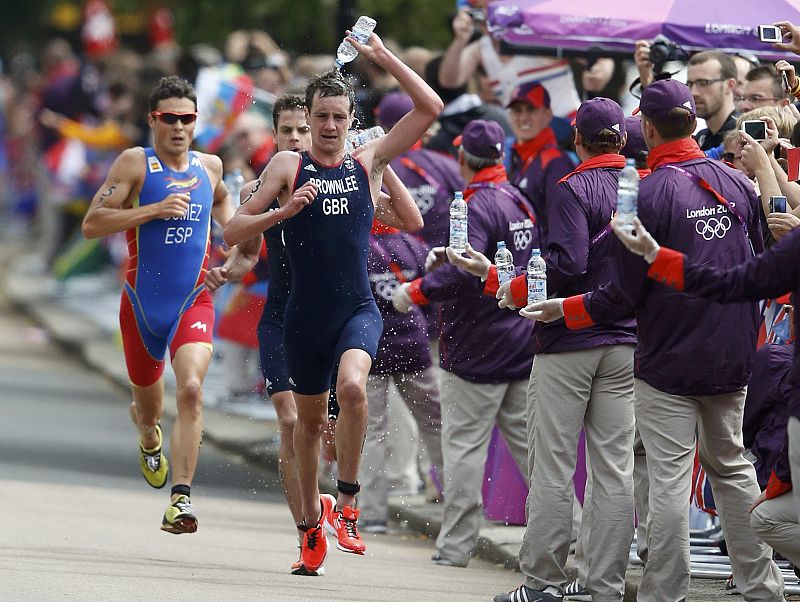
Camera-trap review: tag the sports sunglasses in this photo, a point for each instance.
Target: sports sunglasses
(172, 118)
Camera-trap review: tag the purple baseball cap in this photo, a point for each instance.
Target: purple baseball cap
(661, 97)
(600, 121)
(635, 144)
(392, 108)
(531, 93)
(482, 138)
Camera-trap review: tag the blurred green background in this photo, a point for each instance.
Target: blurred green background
(298, 26)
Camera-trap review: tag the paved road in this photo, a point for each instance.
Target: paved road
(78, 521)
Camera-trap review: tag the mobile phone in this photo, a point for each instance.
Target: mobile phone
(770, 34)
(785, 79)
(777, 204)
(755, 128)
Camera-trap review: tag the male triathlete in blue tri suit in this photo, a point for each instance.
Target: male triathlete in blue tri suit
(293, 133)
(331, 315)
(163, 198)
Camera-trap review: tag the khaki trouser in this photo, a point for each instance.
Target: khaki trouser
(668, 425)
(591, 388)
(469, 412)
(420, 392)
(641, 495)
(776, 520)
(641, 491)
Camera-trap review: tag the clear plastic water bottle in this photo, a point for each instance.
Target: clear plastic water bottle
(361, 32)
(627, 195)
(537, 277)
(234, 182)
(358, 138)
(458, 223)
(504, 261)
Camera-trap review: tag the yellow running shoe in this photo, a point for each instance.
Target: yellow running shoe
(153, 463)
(179, 517)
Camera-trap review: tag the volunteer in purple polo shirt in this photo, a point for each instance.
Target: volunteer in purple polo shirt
(580, 379)
(694, 357)
(432, 178)
(484, 351)
(403, 358)
(537, 163)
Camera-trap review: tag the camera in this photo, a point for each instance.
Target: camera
(770, 34)
(662, 51)
(755, 128)
(777, 204)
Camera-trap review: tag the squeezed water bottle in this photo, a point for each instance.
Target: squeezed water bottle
(361, 32)
(234, 182)
(458, 223)
(358, 138)
(504, 262)
(537, 277)
(627, 195)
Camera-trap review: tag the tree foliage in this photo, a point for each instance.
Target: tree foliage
(298, 26)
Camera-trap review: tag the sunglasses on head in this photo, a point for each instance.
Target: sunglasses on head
(172, 118)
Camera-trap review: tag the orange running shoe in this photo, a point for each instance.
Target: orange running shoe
(344, 524)
(314, 548)
(298, 568)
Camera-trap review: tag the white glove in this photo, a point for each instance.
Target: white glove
(506, 299)
(637, 239)
(435, 258)
(476, 264)
(544, 311)
(401, 299)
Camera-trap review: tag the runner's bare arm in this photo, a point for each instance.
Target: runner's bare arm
(252, 217)
(242, 258)
(112, 207)
(397, 208)
(222, 204)
(427, 105)
(461, 58)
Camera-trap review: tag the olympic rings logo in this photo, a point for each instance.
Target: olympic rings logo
(713, 227)
(522, 238)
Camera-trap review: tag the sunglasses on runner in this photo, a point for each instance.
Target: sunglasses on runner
(172, 118)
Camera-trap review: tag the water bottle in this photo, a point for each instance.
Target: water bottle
(537, 277)
(627, 195)
(358, 138)
(361, 32)
(458, 223)
(234, 182)
(504, 261)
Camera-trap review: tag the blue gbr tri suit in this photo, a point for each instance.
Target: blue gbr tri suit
(331, 308)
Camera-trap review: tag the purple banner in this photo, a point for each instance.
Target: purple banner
(615, 25)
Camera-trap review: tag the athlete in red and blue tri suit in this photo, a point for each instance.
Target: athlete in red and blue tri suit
(164, 300)
(163, 199)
